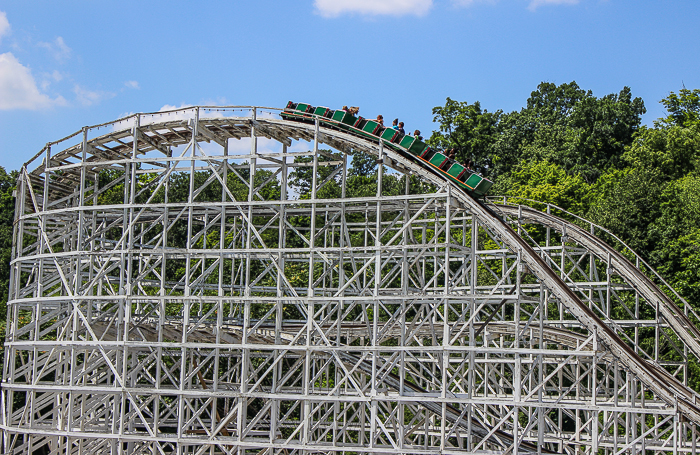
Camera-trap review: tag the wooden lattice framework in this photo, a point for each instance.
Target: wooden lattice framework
(246, 316)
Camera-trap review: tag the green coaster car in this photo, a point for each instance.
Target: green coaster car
(409, 146)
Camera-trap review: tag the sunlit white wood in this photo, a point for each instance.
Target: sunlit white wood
(416, 322)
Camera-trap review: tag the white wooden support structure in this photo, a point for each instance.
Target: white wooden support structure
(173, 292)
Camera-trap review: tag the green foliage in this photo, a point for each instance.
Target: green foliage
(679, 206)
(363, 164)
(301, 178)
(564, 125)
(681, 263)
(467, 128)
(590, 156)
(546, 182)
(568, 126)
(683, 108)
(567, 147)
(602, 129)
(362, 186)
(627, 202)
(7, 214)
(678, 223)
(673, 150)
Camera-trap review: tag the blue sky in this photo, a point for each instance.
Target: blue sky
(64, 65)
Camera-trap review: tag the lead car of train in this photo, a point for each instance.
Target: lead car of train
(406, 145)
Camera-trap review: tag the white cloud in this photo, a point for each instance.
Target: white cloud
(182, 113)
(57, 48)
(534, 4)
(132, 84)
(334, 8)
(170, 107)
(219, 101)
(18, 89)
(47, 78)
(89, 97)
(128, 123)
(4, 24)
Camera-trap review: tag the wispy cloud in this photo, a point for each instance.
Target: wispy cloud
(18, 89)
(132, 84)
(218, 101)
(170, 107)
(335, 8)
(58, 49)
(182, 114)
(48, 78)
(534, 4)
(183, 111)
(89, 97)
(4, 25)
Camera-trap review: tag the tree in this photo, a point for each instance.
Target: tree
(540, 131)
(602, 128)
(683, 108)
(679, 261)
(673, 144)
(672, 150)
(301, 178)
(467, 128)
(362, 164)
(549, 183)
(679, 215)
(568, 126)
(627, 203)
(7, 215)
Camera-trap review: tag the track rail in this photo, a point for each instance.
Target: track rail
(675, 316)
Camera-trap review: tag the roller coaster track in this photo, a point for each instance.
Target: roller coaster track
(60, 188)
(657, 379)
(676, 317)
